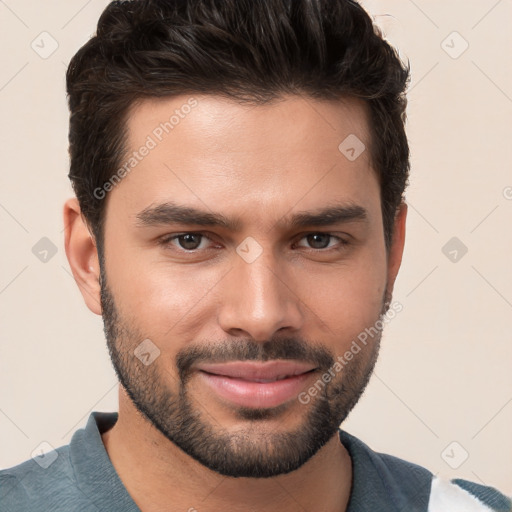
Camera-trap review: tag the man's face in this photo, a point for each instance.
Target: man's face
(274, 284)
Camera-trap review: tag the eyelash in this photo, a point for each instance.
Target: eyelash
(166, 241)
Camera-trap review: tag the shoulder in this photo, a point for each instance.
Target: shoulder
(66, 479)
(41, 483)
(381, 478)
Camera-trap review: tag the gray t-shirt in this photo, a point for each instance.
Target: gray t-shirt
(80, 477)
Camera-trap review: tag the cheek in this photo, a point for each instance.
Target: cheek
(348, 299)
(165, 301)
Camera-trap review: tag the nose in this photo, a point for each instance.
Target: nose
(258, 299)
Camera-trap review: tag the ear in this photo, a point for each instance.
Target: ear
(397, 246)
(82, 255)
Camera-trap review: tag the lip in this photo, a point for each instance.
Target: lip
(256, 385)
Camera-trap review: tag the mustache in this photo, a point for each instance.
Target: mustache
(249, 350)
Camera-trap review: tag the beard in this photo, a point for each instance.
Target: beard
(250, 450)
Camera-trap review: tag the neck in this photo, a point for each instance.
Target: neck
(159, 476)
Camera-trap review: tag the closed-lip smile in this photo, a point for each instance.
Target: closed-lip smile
(256, 384)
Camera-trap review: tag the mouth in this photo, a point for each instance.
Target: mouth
(256, 385)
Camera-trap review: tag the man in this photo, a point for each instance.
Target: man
(239, 222)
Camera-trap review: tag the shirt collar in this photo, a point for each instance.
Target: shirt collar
(379, 482)
(94, 471)
(383, 482)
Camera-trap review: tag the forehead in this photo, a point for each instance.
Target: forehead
(208, 151)
(273, 127)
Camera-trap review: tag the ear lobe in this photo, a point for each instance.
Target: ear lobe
(396, 249)
(82, 255)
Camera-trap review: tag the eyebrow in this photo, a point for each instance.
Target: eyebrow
(329, 215)
(172, 213)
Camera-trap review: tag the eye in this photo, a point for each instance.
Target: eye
(186, 241)
(321, 241)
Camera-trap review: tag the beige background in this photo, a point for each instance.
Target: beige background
(445, 368)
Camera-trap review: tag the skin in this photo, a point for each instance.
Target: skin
(258, 165)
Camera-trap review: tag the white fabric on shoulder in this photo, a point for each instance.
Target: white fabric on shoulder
(448, 497)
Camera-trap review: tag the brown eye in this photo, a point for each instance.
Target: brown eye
(186, 242)
(323, 242)
(189, 241)
(319, 240)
